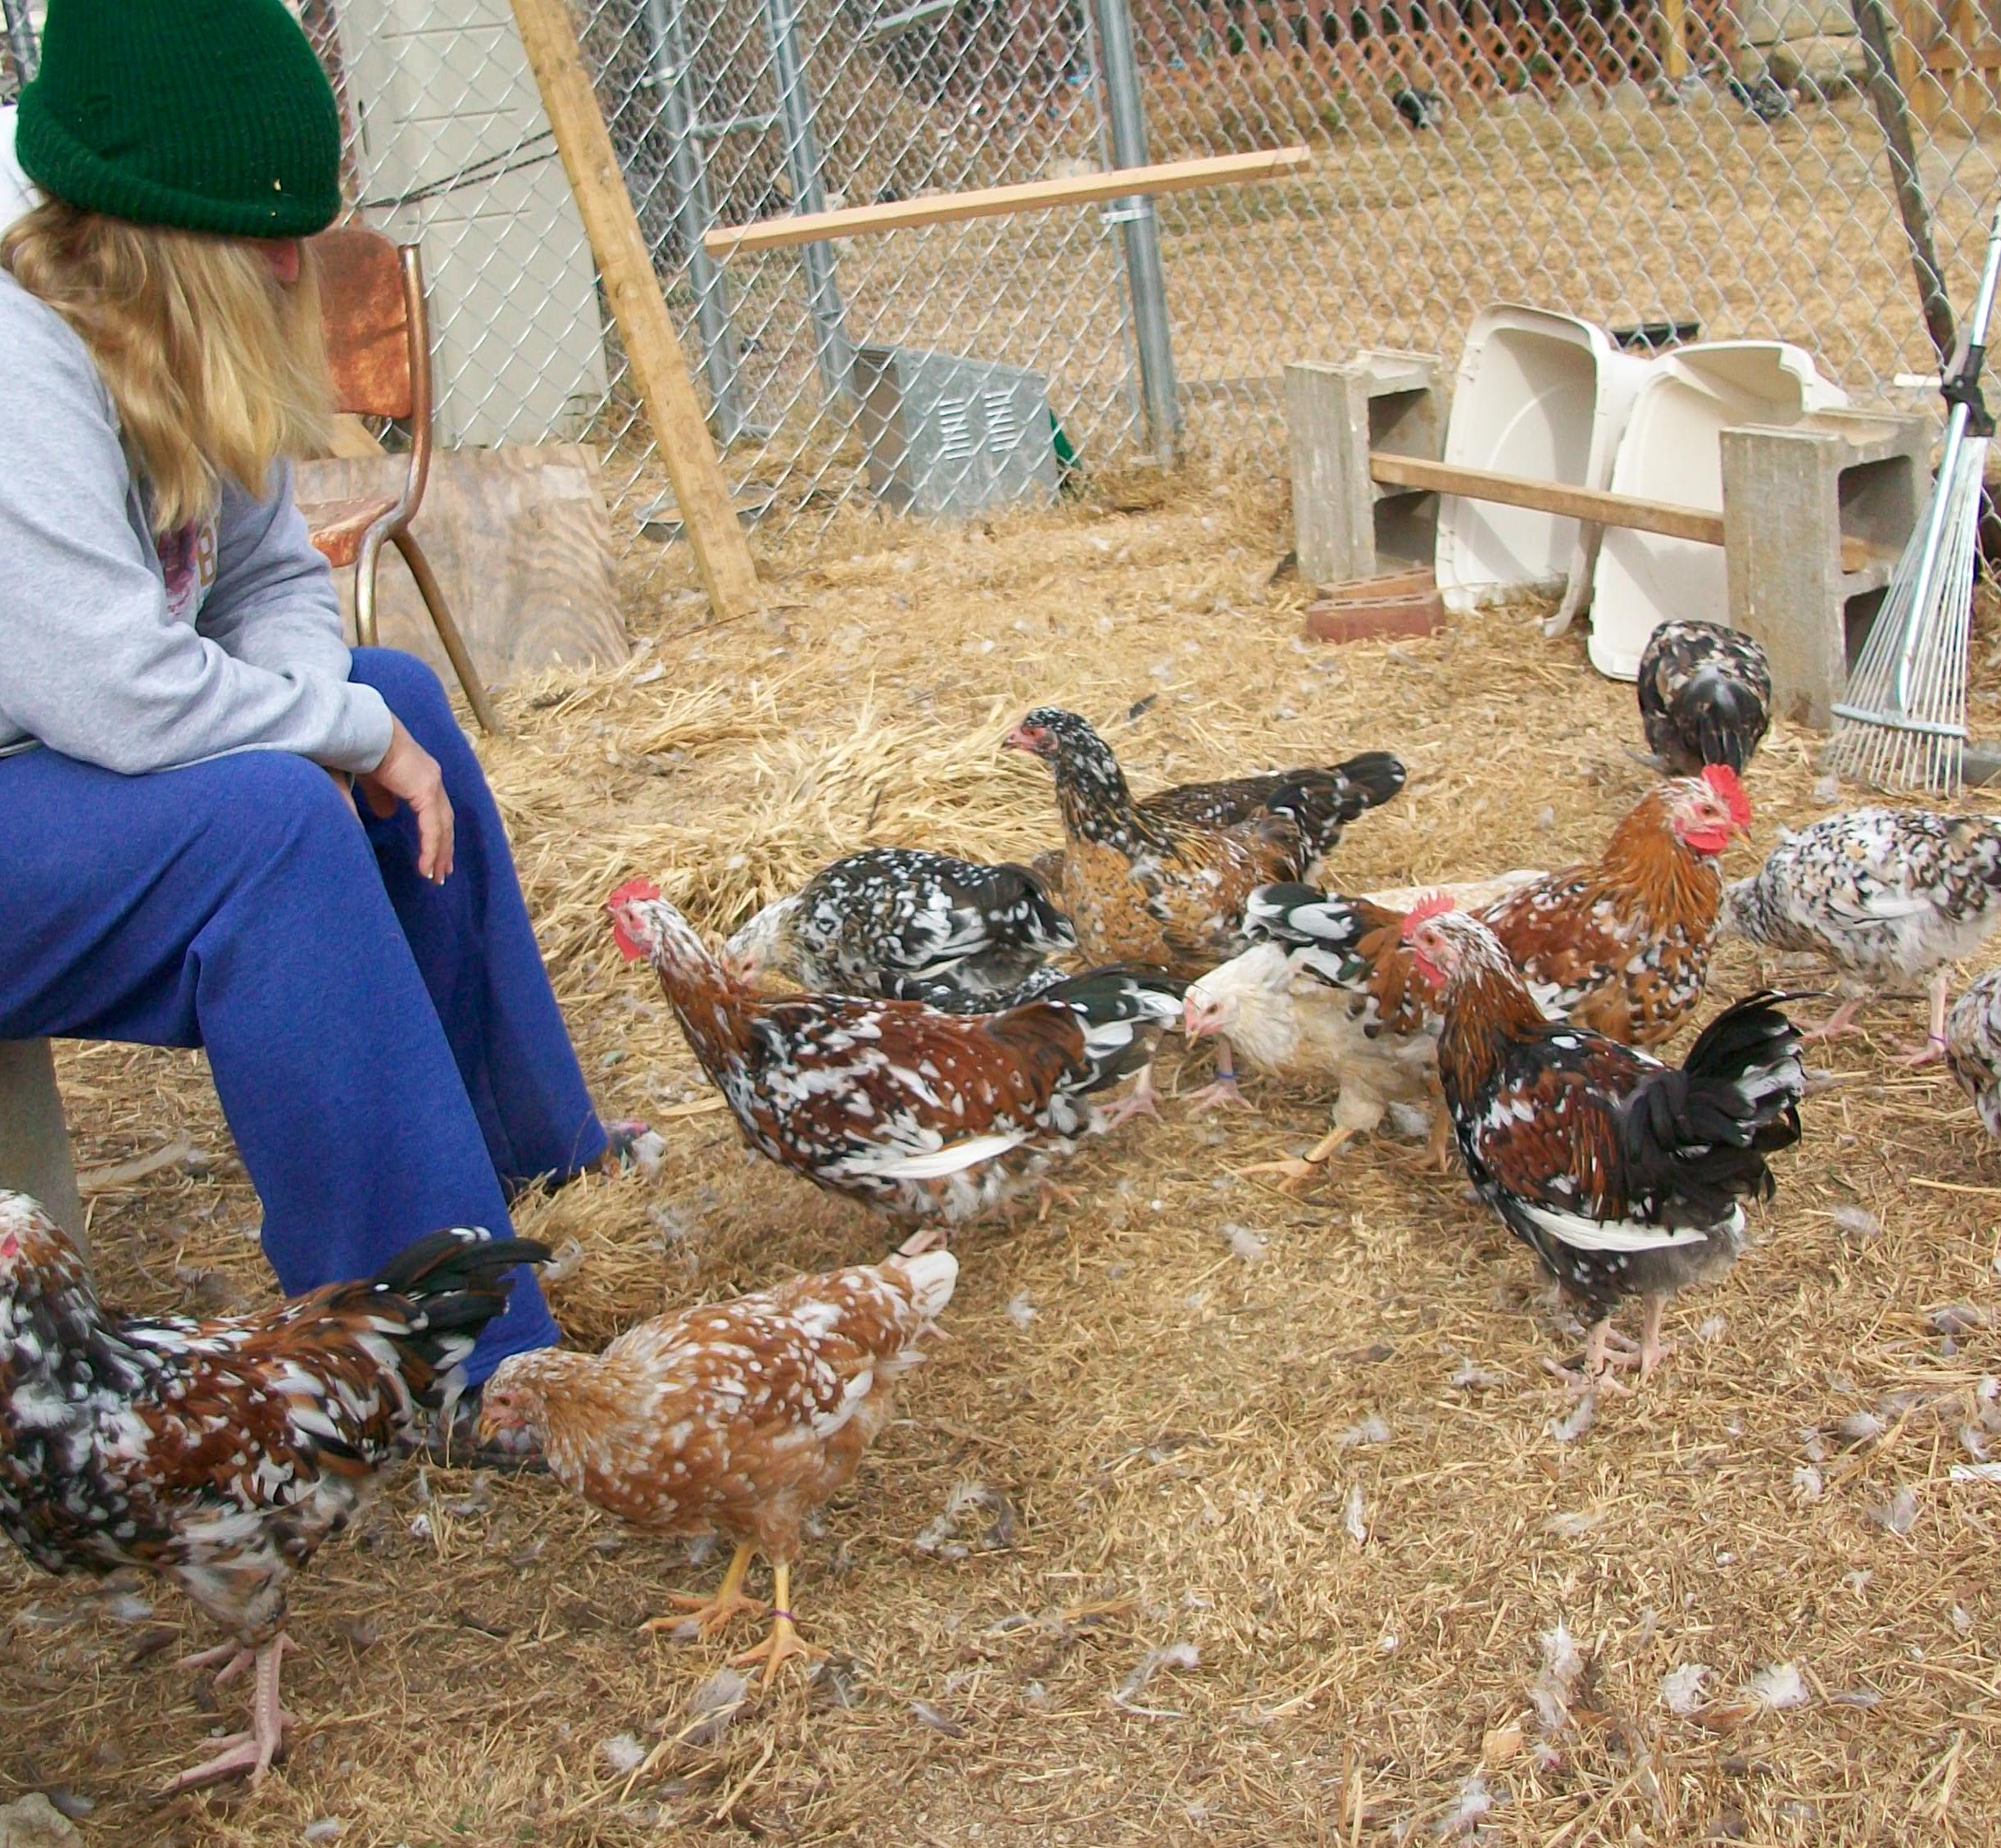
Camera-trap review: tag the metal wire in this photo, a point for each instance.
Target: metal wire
(1469, 151)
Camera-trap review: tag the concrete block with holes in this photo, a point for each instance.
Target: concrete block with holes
(1347, 525)
(1791, 496)
(34, 1140)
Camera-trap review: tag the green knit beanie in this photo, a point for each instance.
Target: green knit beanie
(207, 115)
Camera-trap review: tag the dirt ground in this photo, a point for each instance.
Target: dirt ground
(1222, 1516)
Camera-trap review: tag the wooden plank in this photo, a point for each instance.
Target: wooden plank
(1560, 497)
(521, 543)
(634, 292)
(998, 201)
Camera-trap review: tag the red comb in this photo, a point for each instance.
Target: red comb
(1429, 907)
(1730, 786)
(633, 892)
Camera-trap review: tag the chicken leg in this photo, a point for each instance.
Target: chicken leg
(712, 1614)
(784, 1641)
(1224, 1089)
(1142, 1100)
(1652, 1347)
(1298, 1168)
(1933, 1048)
(1841, 1021)
(243, 1753)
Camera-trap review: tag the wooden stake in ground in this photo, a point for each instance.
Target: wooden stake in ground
(638, 306)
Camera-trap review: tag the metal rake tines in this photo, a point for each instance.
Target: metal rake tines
(1903, 723)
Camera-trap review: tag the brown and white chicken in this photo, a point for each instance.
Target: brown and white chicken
(1885, 895)
(1973, 1047)
(926, 1114)
(222, 1455)
(738, 1417)
(1163, 881)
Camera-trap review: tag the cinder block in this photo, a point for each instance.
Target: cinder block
(1346, 525)
(34, 1141)
(1791, 495)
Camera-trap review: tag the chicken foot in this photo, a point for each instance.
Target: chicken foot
(1605, 1349)
(243, 1753)
(1652, 1347)
(1224, 1090)
(1933, 1048)
(712, 1614)
(784, 1642)
(1841, 1021)
(1142, 1100)
(1298, 1168)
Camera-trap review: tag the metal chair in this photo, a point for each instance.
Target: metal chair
(378, 352)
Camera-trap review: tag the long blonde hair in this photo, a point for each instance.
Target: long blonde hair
(216, 369)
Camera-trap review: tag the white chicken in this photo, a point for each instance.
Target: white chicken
(1278, 1006)
(1973, 1047)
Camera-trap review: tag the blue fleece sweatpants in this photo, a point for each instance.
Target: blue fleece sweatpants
(388, 1052)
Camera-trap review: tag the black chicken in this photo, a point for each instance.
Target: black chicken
(1705, 697)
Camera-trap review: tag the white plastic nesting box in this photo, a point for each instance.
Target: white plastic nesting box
(1672, 451)
(952, 436)
(1543, 395)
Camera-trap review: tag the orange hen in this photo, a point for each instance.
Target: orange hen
(738, 1419)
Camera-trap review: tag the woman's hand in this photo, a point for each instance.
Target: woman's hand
(410, 773)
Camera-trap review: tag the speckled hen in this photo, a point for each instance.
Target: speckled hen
(927, 1116)
(1973, 1047)
(907, 924)
(221, 1454)
(1885, 894)
(1624, 1176)
(1705, 697)
(738, 1419)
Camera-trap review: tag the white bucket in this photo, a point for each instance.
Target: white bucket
(1539, 394)
(1672, 450)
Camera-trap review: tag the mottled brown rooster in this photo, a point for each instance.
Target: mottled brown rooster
(738, 1419)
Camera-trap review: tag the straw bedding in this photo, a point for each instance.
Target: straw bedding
(1223, 1516)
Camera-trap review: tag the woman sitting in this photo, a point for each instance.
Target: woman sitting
(220, 826)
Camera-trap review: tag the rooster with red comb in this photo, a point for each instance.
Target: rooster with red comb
(1626, 1177)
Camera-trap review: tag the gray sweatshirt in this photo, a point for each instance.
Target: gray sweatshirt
(144, 655)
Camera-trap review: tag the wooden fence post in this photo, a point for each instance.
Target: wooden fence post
(638, 306)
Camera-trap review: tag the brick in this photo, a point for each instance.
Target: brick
(1393, 619)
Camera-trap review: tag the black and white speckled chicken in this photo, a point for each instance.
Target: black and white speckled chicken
(1886, 894)
(1705, 697)
(1624, 1176)
(909, 925)
(222, 1454)
(1973, 1047)
(929, 1116)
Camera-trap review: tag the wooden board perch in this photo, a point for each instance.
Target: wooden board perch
(1665, 517)
(633, 291)
(999, 202)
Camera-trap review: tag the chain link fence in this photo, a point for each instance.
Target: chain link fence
(1713, 163)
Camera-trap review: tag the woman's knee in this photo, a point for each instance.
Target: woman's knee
(267, 802)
